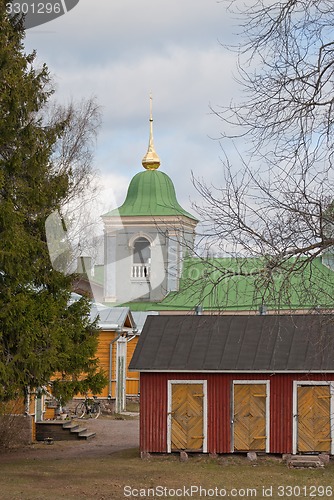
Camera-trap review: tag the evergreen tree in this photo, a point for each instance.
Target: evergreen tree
(42, 332)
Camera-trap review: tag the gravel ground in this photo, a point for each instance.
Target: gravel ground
(111, 435)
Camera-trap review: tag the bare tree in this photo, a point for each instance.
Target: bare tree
(277, 202)
(73, 152)
(73, 156)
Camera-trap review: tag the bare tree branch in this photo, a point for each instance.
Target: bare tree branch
(276, 203)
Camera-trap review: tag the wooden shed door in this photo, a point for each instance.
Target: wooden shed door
(313, 430)
(250, 417)
(187, 432)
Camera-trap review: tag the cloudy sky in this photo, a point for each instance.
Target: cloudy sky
(120, 52)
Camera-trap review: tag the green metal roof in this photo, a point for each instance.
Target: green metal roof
(150, 193)
(228, 284)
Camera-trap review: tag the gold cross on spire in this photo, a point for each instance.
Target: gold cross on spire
(151, 160)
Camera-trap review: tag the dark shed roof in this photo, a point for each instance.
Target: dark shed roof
(236, 343)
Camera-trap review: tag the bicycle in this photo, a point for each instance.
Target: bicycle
(89, 407)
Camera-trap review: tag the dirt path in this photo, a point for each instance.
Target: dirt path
(111, 436)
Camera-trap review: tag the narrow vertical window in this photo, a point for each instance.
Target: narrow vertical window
(141, 259)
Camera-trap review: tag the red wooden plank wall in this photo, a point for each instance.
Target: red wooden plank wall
(153, 408)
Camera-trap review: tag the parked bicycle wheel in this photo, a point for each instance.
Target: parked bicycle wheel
(95, 410)
(80, 410)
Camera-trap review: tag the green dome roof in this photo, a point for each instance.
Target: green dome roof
(151, 193)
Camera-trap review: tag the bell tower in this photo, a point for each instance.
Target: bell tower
(146, 238)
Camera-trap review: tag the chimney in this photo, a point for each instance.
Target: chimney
(84, 265)
(263, 310)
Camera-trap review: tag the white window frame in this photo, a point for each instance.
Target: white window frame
(296, 384)
(139, 269)
(205, 411)
(252, 382)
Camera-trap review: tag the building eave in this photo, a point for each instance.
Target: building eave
(240, 372)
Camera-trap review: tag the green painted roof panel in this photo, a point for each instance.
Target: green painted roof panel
(228, 284)
(150, 193)
(232, 284)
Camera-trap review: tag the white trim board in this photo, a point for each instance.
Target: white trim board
(205, 411)
(252, 382)
(297, 383)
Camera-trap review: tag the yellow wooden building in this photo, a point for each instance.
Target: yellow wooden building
(119, 333)
(117, 341)
(118, 337)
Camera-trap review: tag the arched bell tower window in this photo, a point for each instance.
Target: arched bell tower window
(141, 265)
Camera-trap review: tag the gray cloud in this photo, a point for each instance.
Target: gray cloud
(119, 52)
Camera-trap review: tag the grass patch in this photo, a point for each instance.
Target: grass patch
(105, 478)
(132, 406)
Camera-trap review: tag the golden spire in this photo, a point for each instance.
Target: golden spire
(151, 160)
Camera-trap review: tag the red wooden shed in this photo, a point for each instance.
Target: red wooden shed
(222, 384)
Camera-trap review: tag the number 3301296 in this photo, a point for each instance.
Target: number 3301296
(33, 8)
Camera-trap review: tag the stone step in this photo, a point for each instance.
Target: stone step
(70, 426)
(61, 431)
(78, 430)
(86, 435)
(305, 461)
